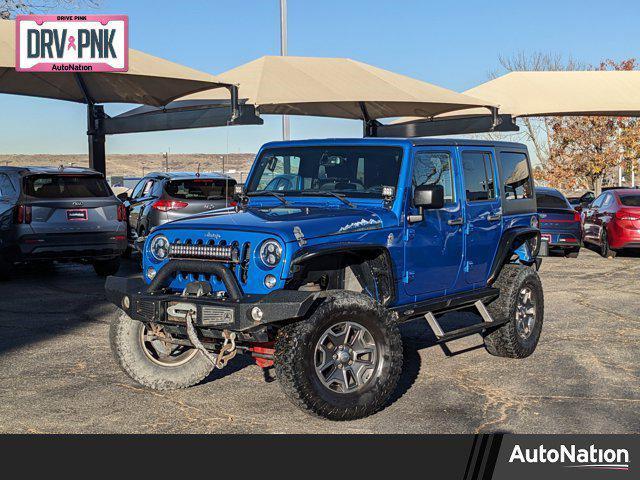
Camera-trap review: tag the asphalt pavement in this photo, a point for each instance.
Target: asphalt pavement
(57, 373)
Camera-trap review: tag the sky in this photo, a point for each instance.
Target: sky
(454, 44)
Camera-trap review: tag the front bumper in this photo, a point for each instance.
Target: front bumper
(71, 246)
(213, 315)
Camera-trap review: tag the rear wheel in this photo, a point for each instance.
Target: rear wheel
(605, 250)
(344, 362)
(521, 306)
(152, 362)
(104, 268)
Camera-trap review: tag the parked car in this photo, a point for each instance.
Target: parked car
(578, 203)
(159, 198)
(560, 224)
(61, 214)
(612, 221)
(313, 281)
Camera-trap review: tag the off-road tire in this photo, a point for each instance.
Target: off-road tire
(605, 250)
(504, 341)
(124, 337)
(104, 268)
(294, 358)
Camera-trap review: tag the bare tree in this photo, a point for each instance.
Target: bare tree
(11, 8)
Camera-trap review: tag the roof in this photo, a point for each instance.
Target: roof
(548, 190)
(336, 87)
(411, 142)
(50, 170)
(189, 175)
(624, 191)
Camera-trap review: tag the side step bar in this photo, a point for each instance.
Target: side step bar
(443, 337)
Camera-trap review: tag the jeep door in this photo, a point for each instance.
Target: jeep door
(433, 246)
(483, 219)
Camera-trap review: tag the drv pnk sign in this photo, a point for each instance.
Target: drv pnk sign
(72, 43)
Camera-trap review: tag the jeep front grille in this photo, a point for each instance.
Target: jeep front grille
(220, 253)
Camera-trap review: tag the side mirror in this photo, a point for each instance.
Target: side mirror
(428, 197)
(123, 197)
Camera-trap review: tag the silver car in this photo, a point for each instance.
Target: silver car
(61, 214)
(163, 197)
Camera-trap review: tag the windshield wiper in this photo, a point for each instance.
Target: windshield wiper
(324, 193)
(269, 192)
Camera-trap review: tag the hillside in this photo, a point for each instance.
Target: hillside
(132, 165)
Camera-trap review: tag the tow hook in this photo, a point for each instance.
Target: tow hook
(228, 350)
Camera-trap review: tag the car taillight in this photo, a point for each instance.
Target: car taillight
(166, 205)
(122, 213)
(233, 203)
(23, 214)
(626, 215)
(577, 217)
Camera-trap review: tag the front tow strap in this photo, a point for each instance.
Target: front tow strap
(227, 352)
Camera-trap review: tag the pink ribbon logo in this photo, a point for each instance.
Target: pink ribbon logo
(72, 43)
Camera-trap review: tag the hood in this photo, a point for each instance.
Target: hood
(311, 221)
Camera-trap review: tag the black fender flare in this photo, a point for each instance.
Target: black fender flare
(511, 239)
(308, 253)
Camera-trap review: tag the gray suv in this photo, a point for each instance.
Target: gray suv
(162, 197)
(61, 214)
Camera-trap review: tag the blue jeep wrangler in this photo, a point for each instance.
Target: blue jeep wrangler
(313, 278)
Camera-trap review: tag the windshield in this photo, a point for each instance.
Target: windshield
(352, 171)
(200, 189)
(66, 186)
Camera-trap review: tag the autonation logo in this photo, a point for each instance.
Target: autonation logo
(590, 458)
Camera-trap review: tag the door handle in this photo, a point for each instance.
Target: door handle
(494, 218)
(455, 221)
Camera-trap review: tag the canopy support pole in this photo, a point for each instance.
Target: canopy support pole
(96, 137)
(369, 126)
(95, 130)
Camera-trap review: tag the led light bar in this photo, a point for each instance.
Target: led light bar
(221, 253)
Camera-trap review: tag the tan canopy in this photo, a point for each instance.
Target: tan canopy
(150, 80)
(531, 94)
(336, 87)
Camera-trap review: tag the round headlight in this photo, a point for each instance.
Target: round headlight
(159, 247)
(270, 253)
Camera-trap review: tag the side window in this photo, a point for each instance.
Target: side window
(598, 201)
(137, 190)
(6, 187)
(516, 175)
(434, 168)
(478, 176)
(148, 187)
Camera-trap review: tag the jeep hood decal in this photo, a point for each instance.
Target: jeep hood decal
(313, 221)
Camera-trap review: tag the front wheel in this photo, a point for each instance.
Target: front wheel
(144, 354)
(342, 363)
(520, 307)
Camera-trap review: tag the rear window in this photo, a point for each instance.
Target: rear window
(199, 189)
(516, 175)
(632, 200)
(66, 186)
(546, 200)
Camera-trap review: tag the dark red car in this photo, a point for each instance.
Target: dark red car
(612, 221)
